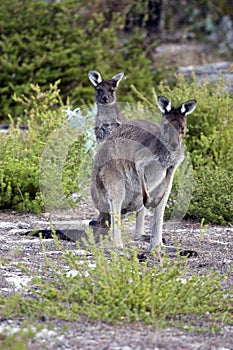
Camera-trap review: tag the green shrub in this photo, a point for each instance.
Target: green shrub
(212, 195)
(42, 42)
(21, 152)
(117, 288)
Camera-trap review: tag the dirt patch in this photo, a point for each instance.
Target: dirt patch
(213, 244)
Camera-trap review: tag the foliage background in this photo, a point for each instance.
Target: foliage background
(45, 41)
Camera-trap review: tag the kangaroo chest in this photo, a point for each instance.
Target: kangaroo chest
(107, 115)
(108, 118)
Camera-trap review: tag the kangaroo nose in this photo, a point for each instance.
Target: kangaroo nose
(104, 99)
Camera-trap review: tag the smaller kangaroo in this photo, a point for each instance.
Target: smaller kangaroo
(108, 116)
(134, 169)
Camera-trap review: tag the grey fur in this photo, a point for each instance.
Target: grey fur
(134, 169)
(108, 116)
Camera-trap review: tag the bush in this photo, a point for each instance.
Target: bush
(212, 195)
(42, 42)
(21, 152)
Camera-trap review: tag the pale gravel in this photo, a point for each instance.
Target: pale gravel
(215, 250)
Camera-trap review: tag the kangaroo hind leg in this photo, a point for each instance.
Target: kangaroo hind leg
(115, 204)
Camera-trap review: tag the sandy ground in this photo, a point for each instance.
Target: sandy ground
(215, 250)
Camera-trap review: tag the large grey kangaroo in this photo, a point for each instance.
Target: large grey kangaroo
(134, 169)
(108, 116)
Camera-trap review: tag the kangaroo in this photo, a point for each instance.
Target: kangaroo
(108, 116)
(134, 168)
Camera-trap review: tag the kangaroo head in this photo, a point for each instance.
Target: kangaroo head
(174, 122)
(105, 90)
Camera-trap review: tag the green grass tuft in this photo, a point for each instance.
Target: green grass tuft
(117, 288)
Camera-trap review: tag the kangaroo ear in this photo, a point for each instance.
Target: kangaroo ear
(164, 104)
(187, 107)
(95, 77)
(117, 78)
